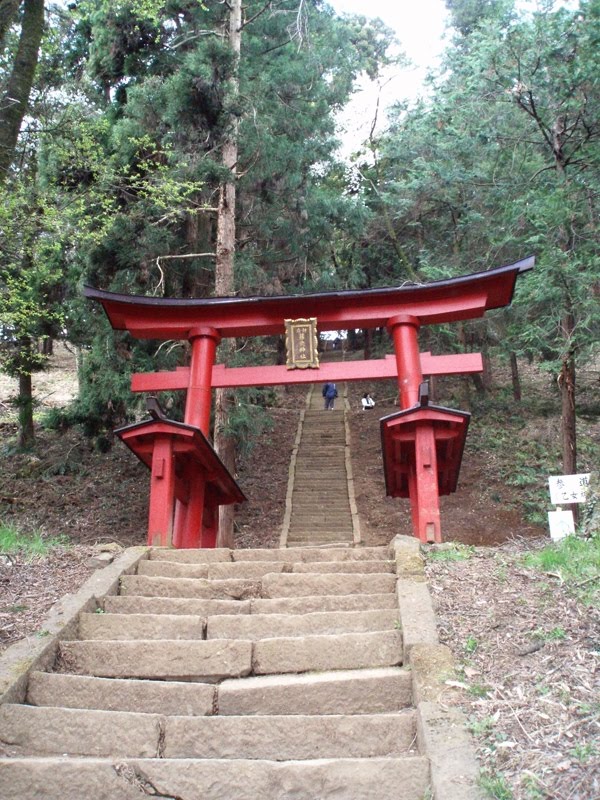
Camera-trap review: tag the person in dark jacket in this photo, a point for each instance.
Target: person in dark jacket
(329, 395)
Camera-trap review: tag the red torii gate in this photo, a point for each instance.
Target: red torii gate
(422, 444)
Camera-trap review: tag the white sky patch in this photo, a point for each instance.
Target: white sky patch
(419, 27)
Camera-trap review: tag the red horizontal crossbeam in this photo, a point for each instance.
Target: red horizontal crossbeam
(336, 371)
(465, 297)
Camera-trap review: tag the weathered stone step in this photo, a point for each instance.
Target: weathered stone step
(31, 730)
(305, 504)
(364, 567)
(297, 585)
(308, 604)
(204, 555)
(261, 626)
(340, 651)
(116, 694)
(311, 517)
(275, 554)
(103, 779)
(141, 626)
(330, 528)
(299, 538)
(364, 691)
(135, 604)
(217, 571)
(215, 659)
(189, 587)
(173, 660)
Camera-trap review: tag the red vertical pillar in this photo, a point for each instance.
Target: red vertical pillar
(162, 493)
(423, 480)
(199, 394)
(192, 530)
(404, 329)
(188, 517)
(428, 524)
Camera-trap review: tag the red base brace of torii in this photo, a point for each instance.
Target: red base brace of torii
(422, 444)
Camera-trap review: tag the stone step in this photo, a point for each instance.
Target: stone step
(330, 528)
(274, 554)
(298, 539)
(298, 585)
(168, 659)
(309, 604)
(141, 626)
(55, 778)
(314, 653)
(134, 604)
(215, 659)
(217, 571)
(204, 555)
(116, 694)
(308, 506)
(364, 691)
(32, 730)
(363, 567)
(330, 520)
(260, 626)
(190, 587)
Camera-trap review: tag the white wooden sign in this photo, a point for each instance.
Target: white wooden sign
(565, 489)
(561, 524)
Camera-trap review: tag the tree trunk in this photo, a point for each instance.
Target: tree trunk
(516, 380)
(8, 13)
(224, 279)
(13, 105)
(566, 382)
(368, 334)
(26, 435)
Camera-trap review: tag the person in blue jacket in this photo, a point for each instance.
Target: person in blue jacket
(329, 395)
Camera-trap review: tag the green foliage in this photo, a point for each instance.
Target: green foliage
(452, 551)
(495, 785)
(29, 545)
(575, 561)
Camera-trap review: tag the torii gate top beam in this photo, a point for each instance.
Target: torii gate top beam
(465, 297)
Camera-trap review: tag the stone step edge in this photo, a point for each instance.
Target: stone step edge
(120, 779)
(358, 688)
(91, 732)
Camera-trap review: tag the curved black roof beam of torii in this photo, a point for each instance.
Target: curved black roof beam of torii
(465, 297)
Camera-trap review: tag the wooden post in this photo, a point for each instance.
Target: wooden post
(423, 481)
(162, 493)
(404, 330)
(199, 395)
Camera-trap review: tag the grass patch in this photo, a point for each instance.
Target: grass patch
(575, 561)
(495, 785)
(452, 552)
(29, 545)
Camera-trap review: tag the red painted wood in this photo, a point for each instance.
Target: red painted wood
(184, 468)
(422, 445)
(336, 371)
(162, 497)
(460, 298)
(426, 472)
(404, 331)
(199, 395)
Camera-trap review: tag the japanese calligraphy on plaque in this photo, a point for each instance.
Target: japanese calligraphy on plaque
(301, 343)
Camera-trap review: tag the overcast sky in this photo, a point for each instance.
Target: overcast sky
(419, 26)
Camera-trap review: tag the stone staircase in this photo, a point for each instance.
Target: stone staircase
(321, 508)
(226, 674)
